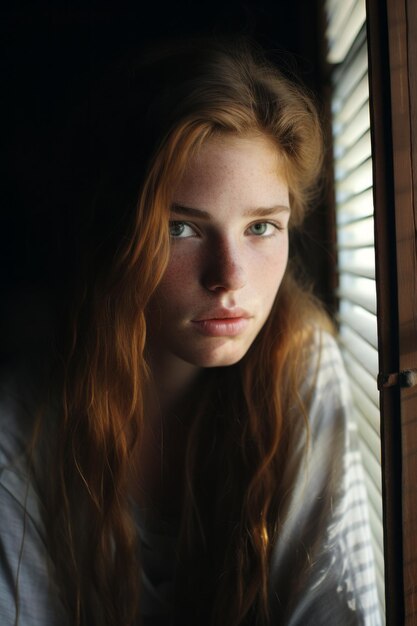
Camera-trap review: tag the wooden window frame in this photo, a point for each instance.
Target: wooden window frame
(392, 50)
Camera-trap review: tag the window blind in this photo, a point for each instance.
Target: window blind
(347, 54)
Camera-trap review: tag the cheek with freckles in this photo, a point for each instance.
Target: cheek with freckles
(179, 284)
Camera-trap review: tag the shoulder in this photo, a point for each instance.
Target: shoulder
(333, 462)
(324, 362)
(325, 389)
(325, 522)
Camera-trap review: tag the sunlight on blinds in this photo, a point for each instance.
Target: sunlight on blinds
(347, 53)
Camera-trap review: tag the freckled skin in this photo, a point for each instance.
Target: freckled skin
(222, 261)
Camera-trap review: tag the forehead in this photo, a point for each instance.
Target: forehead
(229, 166)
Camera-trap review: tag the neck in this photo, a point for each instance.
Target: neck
(159, 467)
(174, 380)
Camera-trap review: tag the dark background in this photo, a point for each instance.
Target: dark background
(55, 50)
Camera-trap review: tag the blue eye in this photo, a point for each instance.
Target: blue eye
(180, 230)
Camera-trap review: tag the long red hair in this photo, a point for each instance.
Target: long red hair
(160, 112)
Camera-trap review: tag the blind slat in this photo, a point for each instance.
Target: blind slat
(360, 205)
(362, 322)
(355, 250)
(373, 490)
(361, 350)
(360, 271)
(354, 156)
(357, 98)
(338, 14)
(357, 127)
(365, 406)
(352, 74)
(362, 377)
(355, 182)
(358, 233)
(370, 435)
(378, 540)
(358, 290)
(354, 298)
(347, 34)
(373, 469)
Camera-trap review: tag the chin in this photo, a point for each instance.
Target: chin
(219, 362)
(217, 358)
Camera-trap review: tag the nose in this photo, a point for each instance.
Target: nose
(224, 270)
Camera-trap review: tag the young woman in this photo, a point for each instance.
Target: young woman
(186, 455)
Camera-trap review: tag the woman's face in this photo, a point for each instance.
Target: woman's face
(229, 250)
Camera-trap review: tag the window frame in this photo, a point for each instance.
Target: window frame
(392, 54)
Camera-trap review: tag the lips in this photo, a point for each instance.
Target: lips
(224, 314)
(223, 323)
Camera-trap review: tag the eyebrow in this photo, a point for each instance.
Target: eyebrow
(200, 213)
